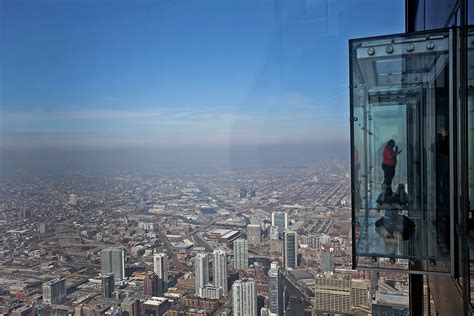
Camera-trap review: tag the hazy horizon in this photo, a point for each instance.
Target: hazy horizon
(173, 159)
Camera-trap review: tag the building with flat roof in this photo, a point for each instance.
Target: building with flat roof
(54, 291)
(244, 296)
(241, 254)
(220, 270)
(113, 261)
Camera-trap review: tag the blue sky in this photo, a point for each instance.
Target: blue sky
(180, 72)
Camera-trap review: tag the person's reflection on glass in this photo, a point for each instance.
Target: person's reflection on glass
(442, 183)
(392, 222)
(357, 197)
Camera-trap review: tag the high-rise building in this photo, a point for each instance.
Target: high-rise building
(113, 261)
(160, 266)
(150, 284)
(243, 193)
(333, 295)
(254, 234)
(290, 249)
(280, 220)
(43, 228)
(130, 307)
(108, 284)
(340, 294)
(275, 289)
(241, 254)
(327, 260)
(54, 291)
(72, 199)
(201, 272)
(244, 295)
(252, 193)
(220, 270)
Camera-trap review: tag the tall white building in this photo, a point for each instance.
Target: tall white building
(72, 199)
(201, 271)
(274, 290)
(220, 270)
(280, 220)
(113, 261)
(290, 249)
(54, 291)
(241, 254)
(244, 295)
(160, 267)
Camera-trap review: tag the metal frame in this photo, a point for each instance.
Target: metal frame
(378, 45)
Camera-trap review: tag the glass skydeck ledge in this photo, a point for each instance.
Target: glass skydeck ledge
(400, 126)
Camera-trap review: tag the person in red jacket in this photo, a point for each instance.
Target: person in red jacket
(389, 163)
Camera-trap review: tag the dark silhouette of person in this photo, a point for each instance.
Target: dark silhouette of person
(357, 197)
(389, 163)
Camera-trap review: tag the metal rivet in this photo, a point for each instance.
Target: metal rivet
(389, 49)
(374, 259)
(371, 51)
(432, 263)
(392, 261)
(410, 48)
(430, 46)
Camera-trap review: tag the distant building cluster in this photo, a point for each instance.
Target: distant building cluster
(182, 245)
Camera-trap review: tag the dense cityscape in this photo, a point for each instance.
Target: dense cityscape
(216, 242)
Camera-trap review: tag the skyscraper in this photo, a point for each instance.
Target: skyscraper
(201, 272)
(244, 295)
(113, 261)
(150, 284)
(54, 291)
(254, 234)
(72, 199)
(290, 249)
(130, 307)
(280, 220)
(241, 254)
(340, 294)
(108, 284)
(274, 289)
(327, 261)
(220, 270)
(160, 266)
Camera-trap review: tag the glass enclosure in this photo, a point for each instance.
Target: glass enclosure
(400, 101)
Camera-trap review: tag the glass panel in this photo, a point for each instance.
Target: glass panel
(470, 12)
(437, 12)
(400, 123)
(470, 153)
(420, 16)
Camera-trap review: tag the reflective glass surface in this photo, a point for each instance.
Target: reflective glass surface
(400, 136)
(470, 153)
(437, 12)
